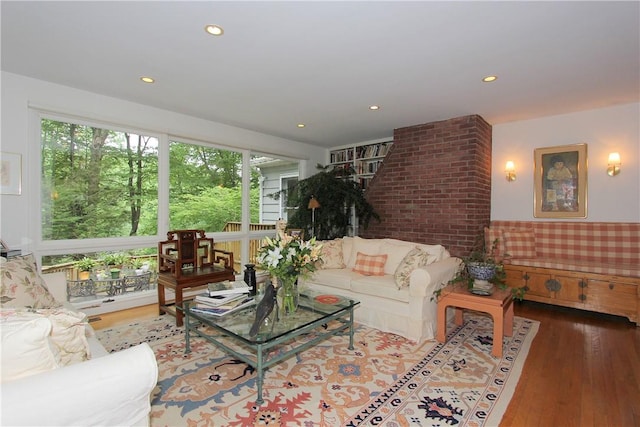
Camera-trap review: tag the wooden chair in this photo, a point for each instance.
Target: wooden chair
(185, 249)
(188, 259)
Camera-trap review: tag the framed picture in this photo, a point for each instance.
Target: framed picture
(560, 182)
(296, 232)
(10, 173)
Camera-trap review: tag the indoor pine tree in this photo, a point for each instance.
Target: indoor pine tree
(338, 196)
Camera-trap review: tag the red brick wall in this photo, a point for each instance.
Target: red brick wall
(435, 185)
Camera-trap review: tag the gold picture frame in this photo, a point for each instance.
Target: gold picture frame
(560, 181)
(10, 173)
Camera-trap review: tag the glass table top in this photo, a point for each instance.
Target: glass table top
(311, 309)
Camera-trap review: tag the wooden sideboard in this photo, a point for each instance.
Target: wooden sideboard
(588, 291)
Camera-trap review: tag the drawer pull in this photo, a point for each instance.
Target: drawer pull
(552, 285)
(611, 286)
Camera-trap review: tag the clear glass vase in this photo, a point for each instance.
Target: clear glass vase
(287, 295)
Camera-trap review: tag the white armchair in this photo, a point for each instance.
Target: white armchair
(112, 390)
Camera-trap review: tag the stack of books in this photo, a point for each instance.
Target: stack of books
(223, 298)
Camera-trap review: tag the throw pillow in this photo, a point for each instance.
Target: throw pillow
(370, 265)
(25, 346)
(366, 246)
(68, 334)
(414, 259)
(22, 286)
(520, 244)
(490, 236)
(395, 254)
(331, 254)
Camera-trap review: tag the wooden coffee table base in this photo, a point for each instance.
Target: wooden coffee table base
(499, 306)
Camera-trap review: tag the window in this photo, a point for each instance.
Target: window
(107, 194)
(97, 182)
(206, 188)
(288, 185)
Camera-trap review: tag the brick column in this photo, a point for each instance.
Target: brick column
(435, 184)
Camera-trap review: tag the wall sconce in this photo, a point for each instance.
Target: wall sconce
(510, 170)
(614, 164)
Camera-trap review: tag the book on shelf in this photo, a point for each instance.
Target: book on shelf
(224, 309)
(218, 300)
(227, 287)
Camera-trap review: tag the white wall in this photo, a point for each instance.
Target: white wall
(19, 93)
(613, 199)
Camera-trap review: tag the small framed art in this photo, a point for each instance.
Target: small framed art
(560, 181)
(10, 173)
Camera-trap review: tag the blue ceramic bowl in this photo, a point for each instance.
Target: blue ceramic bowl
(481, 271)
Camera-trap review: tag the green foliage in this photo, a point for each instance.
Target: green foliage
(85, 264)
(482, 255)
(337, 195)
(100, 183)
(115, 258)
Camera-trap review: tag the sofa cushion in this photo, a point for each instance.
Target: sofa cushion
(336, 278)
(379, 286)
(331, 254)
(519, 244)
(22, 286)
(366, 246)
(414, 259)
(26, 347)
(370, 265)
(395, 250)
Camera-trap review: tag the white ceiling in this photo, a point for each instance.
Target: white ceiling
(324, 63)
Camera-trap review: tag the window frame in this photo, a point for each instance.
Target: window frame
(59, 247)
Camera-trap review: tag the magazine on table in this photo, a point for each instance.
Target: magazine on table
(227, 287)
(225, 309)
(218, 300)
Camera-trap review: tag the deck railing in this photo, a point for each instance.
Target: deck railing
(72, 273)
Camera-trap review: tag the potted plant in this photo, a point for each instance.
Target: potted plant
(84, 267)
(339, 197)
(482, 271)
(115, 259)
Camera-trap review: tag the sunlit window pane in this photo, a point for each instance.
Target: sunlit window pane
(97, 182)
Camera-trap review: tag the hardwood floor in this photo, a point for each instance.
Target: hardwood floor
(583, 368)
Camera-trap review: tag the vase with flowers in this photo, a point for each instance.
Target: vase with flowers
(287, 258)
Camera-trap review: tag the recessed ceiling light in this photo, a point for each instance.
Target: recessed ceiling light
(147, 79)
(374, 107)
(301, 125)
(214, 30)
(489, 79)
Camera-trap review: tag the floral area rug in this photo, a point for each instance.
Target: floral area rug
(385, 381)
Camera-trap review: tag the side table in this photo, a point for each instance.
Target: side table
(499, 305)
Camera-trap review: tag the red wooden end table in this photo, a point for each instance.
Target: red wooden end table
(499, 305)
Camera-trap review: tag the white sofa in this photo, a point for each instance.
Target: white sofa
(398, 301)
(108, 389)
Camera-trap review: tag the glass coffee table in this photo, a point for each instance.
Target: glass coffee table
(318, 318)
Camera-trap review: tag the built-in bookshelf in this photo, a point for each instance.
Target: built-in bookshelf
(362, 161)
